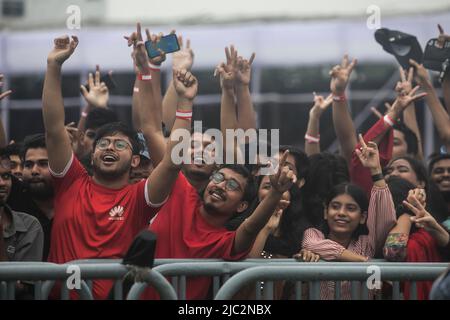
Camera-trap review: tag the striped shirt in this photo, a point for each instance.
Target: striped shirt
(380, 220)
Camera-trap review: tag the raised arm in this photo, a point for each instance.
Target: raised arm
(57, 139)
(247, 232)
(246, 115)
(343, 123)
(181, 60)
(381, 215)
(440, 116)
(442, 39)
(2, 129)
(96, 97)
(312, 136)
(404, 86)
(165, 174)
(146, 108)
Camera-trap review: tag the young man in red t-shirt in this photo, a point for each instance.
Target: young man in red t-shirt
(94, 217)
(193, 226)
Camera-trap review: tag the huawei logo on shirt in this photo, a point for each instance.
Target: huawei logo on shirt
(116, 213)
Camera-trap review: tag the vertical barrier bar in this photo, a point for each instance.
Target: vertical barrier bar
(413, 290)
(64, 292)
(268, 290)
(354, 290)
(3, 290)
(174, 282)
(337, 290)
(118, 290)
(364, 291)
(298, 290)
(225, 278)
(89, 284)
(38, 290)
(396, 290)
(11, 290)
(183, 288)
(258, 286)
(216, 284)
(314, 290)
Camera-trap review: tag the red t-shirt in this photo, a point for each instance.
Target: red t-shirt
(94, 222)
(182, 232)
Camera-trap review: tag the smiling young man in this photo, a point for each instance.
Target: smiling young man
(192, 225)
(439, 171)
(98, 216)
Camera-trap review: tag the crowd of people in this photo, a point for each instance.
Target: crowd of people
(85, 191)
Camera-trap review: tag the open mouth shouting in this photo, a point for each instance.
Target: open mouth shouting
(218, 194)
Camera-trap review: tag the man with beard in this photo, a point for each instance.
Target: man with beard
(34, 194)
(99, 216)
(439, 170)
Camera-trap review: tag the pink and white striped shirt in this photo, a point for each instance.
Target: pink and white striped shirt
(380, 220)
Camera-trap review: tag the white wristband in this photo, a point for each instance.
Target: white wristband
(388, 120)
(135, 89)
(184, 114)
(312, 139)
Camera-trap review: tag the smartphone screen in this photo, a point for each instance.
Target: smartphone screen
(168, 44)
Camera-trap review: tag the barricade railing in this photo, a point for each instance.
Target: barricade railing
(314, 274)
(248, 272)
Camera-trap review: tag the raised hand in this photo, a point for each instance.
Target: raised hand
(340, 74)
(244, 70)
(228, 71)
(183, 58)
(321, 104)
(442, 38)
(64, 47)
(139, 54)
(368, 155)
(6, 93)
(284, 178)
(403, 101)
(155, 39)
(404, 86)
(98, 94)
(185, 83)
(422, 77)
(422, 218)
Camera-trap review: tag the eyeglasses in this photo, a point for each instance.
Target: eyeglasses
(230, 185)
(119, 144)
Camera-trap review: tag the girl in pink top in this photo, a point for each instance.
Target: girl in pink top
(354, 229)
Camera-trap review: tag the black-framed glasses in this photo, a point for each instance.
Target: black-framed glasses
(230, 184)
(119, 144)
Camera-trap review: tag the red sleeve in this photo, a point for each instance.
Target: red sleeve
(361, 175)
(73, 171)
(221, 246)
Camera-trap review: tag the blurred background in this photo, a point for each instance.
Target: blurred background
(296, 43)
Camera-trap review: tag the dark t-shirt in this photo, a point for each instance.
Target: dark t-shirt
(20, 200)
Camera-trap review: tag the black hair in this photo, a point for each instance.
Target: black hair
(410, 138)
(99, 117)
(13, 149)
(301, 160)
(250, 191)
(360, 197)
(436, 158)
(34, 141)
(325, 171)
(110, 129)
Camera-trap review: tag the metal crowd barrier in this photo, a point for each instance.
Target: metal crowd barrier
(227, 277)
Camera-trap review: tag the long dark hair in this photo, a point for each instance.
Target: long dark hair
(360, 197)
(326, 170)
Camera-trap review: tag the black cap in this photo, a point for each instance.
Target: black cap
(402, 45)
